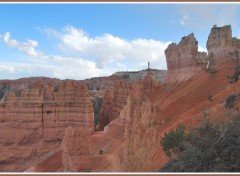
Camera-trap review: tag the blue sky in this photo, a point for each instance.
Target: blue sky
(78, 41)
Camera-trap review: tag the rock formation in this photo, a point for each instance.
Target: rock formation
(221, 43)
(39, 116)
(75, 150)
(106, 109)
(183, 55)
(141, 149)
(183, 59)
(97, 106)
(139, 114)
(134, 116)
(71, 107)
(113, 102)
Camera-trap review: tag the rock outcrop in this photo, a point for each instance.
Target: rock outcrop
(75, 150)
(21, 117)
(38, 116)
(185, 54)
(221, 43)
(183, 59)
(141, 149)
(106, 109)
(70, 107)
(113, 102)
(97, 106)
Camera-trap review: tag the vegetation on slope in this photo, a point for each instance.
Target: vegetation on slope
(211, 148)
(174, 140)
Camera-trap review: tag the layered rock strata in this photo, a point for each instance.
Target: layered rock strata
(221, 44)
(113, 102)
(184, 54)
(70, 107)
(39, 116)
(105, 114)
(75, 150)
(183, 59)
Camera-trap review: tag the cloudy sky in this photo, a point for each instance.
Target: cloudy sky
(79, 41)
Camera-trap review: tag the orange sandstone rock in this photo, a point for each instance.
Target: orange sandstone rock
(75, 150)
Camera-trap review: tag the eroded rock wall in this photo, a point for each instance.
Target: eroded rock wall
(75, 150)
(113, 102)
(184, 54)
(183, 59)
(71, 107)
(221, 43)
(142, 151)
(35, 119)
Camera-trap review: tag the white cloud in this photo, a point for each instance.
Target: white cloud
(107, 49)
(27, 47)
(82, 56)
(78, 68)
(6, 68)
(201, 49)
(57, 66)
(206, 15)
(45, 65)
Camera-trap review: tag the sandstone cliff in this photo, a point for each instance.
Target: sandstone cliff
(37, 117)
(75, 150)
(221, 43)
(184, 54)
(113, 102)
(183, 59)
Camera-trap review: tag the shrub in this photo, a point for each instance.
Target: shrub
(211, 149)
(230, 101)
(100, 152)
(233, 78)
(210, 97)
(174, 140)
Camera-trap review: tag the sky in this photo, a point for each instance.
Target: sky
(84, 40)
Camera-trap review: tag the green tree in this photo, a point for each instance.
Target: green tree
(174, 140)
(212, 148)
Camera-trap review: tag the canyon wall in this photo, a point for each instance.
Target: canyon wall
(129, 141)
(76, 150)
(35, 119)
(105, 114)
(71, 107)
(113, 102)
